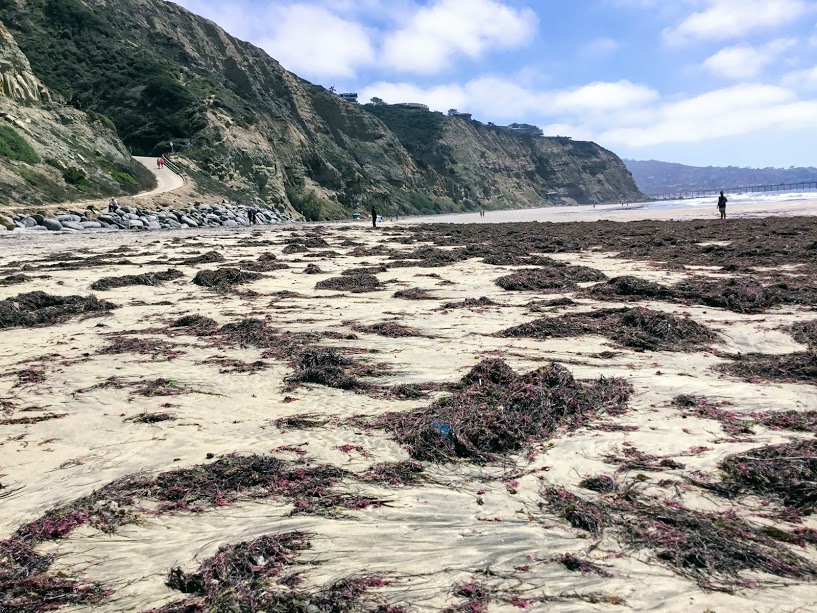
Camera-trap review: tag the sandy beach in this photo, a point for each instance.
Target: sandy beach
(321, 347)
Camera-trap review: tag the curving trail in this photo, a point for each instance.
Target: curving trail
(166, 179)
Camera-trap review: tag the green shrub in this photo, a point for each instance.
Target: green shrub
(75, 176)
(15, 147)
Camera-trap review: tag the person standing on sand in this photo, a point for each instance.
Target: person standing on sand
(722, 205)
(374, 217)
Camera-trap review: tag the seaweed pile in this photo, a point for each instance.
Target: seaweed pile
(470, 303)
(210, 257)
(556, 277)
(40, 309)
(787, 368)
(389, 329)
(637, 328)
(325, 366)
(356, 283)
(148, 278)
(711, 548)
(496, 411)
(786, 473)
(222, 279)
(258, 575)
(414, 293)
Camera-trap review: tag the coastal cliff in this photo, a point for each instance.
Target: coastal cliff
(248, 127)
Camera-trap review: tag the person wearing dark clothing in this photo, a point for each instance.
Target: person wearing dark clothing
(722, 205)
(374, 217)
(251, 215)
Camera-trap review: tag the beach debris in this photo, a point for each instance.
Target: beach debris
(14, 279)
(357, 284)
(787, 368)
(554, 278)
(149, 278)
(804, 332)
(222, 279)
(389, 329)
(36, 309)
(196, 325)
(414, 293)
(395, 474)
(141, 346)
(711, 548)
(325, 366)
(312, 269)
(495, 411)
(700, 407)
(636, 328)
(210, 257)
(786, 473)
(470, 303)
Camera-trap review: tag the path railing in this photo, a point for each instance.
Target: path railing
(173, 166)
(753, 189)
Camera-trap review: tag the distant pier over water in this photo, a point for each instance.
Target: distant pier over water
(753, 189)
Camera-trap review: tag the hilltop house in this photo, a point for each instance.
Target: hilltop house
(455, 113)
(350, 97)
(412, 105)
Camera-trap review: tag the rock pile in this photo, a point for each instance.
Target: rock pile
(133, 218)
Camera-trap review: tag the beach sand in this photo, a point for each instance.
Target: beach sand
(467, 521)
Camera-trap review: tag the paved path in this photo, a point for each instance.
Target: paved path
(166, 179)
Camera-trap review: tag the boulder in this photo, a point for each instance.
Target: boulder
(62, 218)
(89, 225)
(43, 228)
(38, 218)
(7, 222)
(154, 225)
(29, 222)
(190, 223)
(72, 225)
(52, 224)
(135, 224)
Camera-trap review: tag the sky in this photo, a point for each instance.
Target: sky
(702, 82)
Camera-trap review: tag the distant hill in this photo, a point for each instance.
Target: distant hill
(655, 177)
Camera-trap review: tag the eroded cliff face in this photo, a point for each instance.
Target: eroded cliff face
(163, 74)
(41, 138)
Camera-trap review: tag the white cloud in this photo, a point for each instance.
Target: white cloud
(725, 19)
(744, 61)
(313, 41)
(601, 46)
(801, 79)
(502, 99)
(437, 34)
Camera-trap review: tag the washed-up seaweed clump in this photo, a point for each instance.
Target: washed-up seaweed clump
(414, 293)
(222, 279)
(496, 411)
(394, 473)
(389, 329)
(265, 263)
(711, 548)
(787, 368)
(34, 419)
(152, 418)
(27, 586)
(148, 278)
(193, 490)
(141, 346)
(40, 309)
(325, 366)
(14, 279)
(742, 295)
(786, 473)
(258, 575)
(357, 284)
(629, 288)
(551, 278)
(428, 257)
(470, 303)
(805, 332)
(575, 564)
(793, 421)
(195, 325)
(210, 257)
(637, 328)
(599, 483)
(700, 407)
(313, 269)
(632, 458)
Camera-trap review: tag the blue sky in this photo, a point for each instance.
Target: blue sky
(722, 82)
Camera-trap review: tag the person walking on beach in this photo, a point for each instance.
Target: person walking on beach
(158, 163)
(722, 205)
(374, 217)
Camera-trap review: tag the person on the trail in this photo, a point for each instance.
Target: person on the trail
(374, 217)
(722, 205)
(158, 163)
